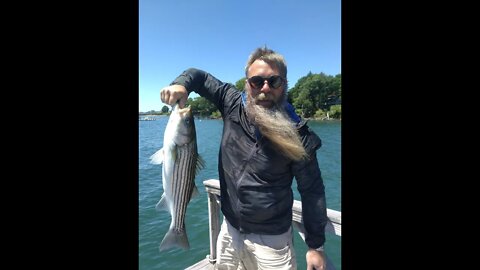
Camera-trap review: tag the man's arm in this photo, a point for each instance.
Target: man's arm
(201, 82)
(312, 191)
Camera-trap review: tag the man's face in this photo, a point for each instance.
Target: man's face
(261, 91)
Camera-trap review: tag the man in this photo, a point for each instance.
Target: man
(264, 146)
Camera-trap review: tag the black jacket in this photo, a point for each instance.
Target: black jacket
(255, 181)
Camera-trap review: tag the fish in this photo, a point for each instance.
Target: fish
(180, 165)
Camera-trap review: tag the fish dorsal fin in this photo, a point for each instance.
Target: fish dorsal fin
(200, 164)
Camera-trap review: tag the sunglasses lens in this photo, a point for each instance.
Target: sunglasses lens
(275, 81)
(256, 81)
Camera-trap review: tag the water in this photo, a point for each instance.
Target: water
(153, 224)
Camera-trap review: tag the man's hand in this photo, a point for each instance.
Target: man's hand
(316, 260)
(173, 93)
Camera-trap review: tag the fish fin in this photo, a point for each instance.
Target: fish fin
(173, 239)
(194, 191)
(200, 164)
(157, 158)
(162, 204)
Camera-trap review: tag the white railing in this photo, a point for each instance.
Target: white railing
(213, 189)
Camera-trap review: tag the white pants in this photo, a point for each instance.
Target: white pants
(251, 251)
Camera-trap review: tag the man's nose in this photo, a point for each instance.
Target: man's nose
(266, 87)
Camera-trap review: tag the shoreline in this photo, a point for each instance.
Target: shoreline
(217, 118)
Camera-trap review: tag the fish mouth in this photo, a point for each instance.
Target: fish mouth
(184, 110)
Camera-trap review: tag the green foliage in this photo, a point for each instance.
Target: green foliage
(216, 114)
(151, 112)
(319, 114)
(240, 84)
(312, 92)
(336, 111)
(304, 103)
(201, 106)
(165, 109)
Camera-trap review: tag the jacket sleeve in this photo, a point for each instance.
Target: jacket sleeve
(312, 191)
(206, 85)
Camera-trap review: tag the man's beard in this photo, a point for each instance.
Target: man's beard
(275, 124)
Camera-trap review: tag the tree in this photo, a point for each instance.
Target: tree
(165, 109)
(304, 103)
(201, 106)
(315, 91)
(240, 84)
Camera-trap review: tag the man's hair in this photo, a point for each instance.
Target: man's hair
(270, 57)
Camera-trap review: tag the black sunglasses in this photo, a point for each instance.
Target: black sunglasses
(274, 81)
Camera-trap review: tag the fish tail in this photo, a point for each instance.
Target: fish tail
(174, 238)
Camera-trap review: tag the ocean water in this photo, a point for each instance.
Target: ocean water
(153, 224)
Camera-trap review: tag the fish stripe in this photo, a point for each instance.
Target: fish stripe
(184, 188)
(189, 186)
(180, 183)
(183, 183)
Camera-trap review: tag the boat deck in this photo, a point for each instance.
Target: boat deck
(202, 265)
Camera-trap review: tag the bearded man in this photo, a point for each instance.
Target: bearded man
(264, 145)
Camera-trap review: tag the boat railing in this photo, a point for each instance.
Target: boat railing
(212, 186)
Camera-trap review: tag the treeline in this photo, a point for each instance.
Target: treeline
(313, 96)
(317, 95)
(164, 111)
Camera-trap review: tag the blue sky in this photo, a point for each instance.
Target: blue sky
(219, 35)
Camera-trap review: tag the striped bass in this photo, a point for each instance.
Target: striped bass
(181, 162)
